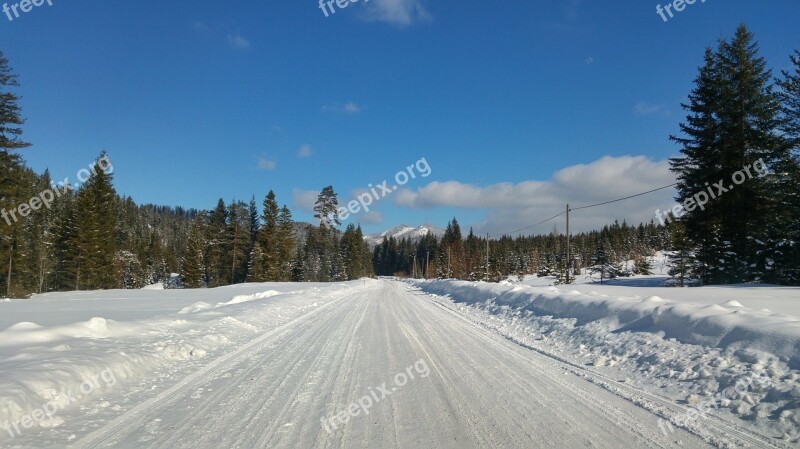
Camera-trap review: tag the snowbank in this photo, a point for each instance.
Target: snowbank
(45, 369)
(727, 326)
(694, 354)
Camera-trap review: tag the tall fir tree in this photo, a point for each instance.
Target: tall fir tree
(193, 266)
(270, 239)
(286, 245)
(788, 261)
(732, 123)
(217, 251)
(681, 258)
(96, 218)
(12, 172)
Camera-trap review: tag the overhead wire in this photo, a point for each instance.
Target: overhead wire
(586, 207)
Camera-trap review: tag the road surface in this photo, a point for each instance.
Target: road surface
(402, 371)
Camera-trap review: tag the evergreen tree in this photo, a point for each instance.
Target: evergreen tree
(96, 219)
(193, 265)
(787, 262)
(12, 184)
(286, 245)
(238, 240)
(604, 263)
(326, 209)
(254, 227)
(732, 123)
(217, 251)
(270, 239)
(681, 259)
(10, 111)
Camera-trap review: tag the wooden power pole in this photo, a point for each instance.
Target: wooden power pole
(567, 263)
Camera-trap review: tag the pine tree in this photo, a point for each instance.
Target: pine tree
(254, 227)
(193, 265)
(217, 251)
(12, 169)
(732, 123)
(787, 261)
(603, 263)
(643, 266)
(270, 239)
(10, 111)
(356, 253)
(96, 219)
(326, 209)
(238, 240)
(286, 245)
(681, 260)
(453, 252)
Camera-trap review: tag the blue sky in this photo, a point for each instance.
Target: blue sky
(518, 107)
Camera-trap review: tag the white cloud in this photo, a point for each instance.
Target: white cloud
(513, 206)
(589, 60)
(401, 13)
(305, 151)
(266, 164)
(304, 199)
(238, 41)
(372, 217)
(644, 108)
(348, 108)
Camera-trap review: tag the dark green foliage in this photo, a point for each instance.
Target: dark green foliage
(96, 220)
(734, 121)
(193, 267)
(10, 111)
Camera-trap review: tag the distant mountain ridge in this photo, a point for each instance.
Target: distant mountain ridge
(405, 231)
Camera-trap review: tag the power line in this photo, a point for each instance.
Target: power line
(623, 199)
(531, 226)
(587, 207)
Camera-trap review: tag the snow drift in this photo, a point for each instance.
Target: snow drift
(728, 326)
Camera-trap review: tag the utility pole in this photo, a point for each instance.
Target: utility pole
(428, 265)
(568, 261)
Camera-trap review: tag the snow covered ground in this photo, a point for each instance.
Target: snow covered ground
(62, 355)
(393, 364)
(728, 352)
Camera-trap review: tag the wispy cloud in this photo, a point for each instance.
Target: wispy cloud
(372, 217)
(401, 13)
(238, 41)
(234, 39)
(200, 26)
(589, 60)
(513, 206)
(644, 108)
(305, 151)
(304, 199)
(266, 164)
(559, 15)
(348, 108)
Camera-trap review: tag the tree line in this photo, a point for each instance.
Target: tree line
(737, 114)
(90, 237)
(615, 250)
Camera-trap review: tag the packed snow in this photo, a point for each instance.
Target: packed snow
(515, 364)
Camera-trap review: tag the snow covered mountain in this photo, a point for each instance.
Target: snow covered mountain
(404, 231)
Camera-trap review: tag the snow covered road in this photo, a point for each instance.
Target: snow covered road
(480, 390)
